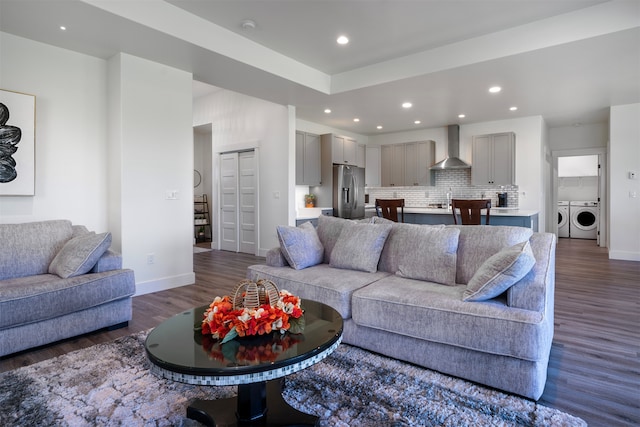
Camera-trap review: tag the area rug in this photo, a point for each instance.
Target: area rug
(110, 384)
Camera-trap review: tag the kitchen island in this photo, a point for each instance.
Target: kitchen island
(499, 216)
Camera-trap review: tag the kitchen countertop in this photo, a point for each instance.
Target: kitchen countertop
(442, 211)
(310, 213)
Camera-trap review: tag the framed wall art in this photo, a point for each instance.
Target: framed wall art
(17, 143)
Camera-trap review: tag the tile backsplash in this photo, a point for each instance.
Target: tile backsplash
(459, 180)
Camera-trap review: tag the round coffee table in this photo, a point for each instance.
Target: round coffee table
(255, 364)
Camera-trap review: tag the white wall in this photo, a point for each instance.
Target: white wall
(111, 137)
(624, 156)
(590, 135)
(154, 135)
(240, 121)
(70, 148)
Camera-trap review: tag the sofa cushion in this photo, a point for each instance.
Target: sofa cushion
(430, 254)
(321, 282)
(80, 254)
(40, 297)
(500, 272)
(477, 243)
(27, 249)
(329, 229)
(399, 236)
(359, 247)
(300, 245)
(437, 313)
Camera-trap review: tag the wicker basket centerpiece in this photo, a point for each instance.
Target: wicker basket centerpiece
(255, 308)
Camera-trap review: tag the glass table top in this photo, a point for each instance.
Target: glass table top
(177, 345)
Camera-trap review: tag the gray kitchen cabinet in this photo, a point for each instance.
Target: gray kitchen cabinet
(372, 167)
(494, 159)
(393, 162)
(407, 164)
(361, 153)
(307, 159)
(419, 156)
(343, 149)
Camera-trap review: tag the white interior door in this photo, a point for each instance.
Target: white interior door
(247, 212)
(238, 196)
(229, 202)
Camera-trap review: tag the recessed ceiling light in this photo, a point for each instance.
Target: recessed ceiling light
(461, 116)
(343, 40)
(407, 105)
(63, 28)
(495, 89)
(378, 127)
(513, 108)
(356, 120)
(327, 110)
(417, 122)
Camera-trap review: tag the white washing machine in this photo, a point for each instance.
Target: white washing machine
(584, 219)
(563, 218)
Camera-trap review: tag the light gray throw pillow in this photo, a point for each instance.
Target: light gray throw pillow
(359, 246)
(429, 254)
(500, 272)
(300, 245)
(80, 254)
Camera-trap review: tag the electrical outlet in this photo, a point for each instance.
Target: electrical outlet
(151, 258)
(171, 194)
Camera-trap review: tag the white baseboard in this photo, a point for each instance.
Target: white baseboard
(624, 255)
(165, 283)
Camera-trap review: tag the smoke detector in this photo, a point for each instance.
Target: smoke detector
(248, 24)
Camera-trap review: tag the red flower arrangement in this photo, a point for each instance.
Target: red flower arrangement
(225, 322)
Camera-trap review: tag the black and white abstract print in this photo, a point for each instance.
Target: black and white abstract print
(10, 136)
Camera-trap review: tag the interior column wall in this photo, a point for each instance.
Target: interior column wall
(151, 138)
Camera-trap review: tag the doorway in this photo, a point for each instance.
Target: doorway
(203, 184)
(238, 201)
(580, 176)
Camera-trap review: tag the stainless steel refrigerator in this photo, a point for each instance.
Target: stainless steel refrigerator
(348, 191)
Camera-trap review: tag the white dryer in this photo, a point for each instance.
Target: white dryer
(584, 219)
(563, 218)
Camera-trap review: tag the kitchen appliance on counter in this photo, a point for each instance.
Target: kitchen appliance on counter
(348, 192)
(502, 200)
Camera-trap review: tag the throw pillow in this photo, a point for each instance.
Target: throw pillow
(80, 254)
(359, 246)
(300, 245)
(429, 254)
(500, 272)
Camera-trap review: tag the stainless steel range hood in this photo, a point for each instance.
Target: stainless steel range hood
(453, 147)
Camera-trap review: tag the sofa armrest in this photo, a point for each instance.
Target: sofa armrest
(110, 260)
(536, 290)
(275, 258)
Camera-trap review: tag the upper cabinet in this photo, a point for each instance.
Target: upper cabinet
(372, 167)
(494, 159)
(343, 149)
(407, 164)
(361, 155)
(307, 159)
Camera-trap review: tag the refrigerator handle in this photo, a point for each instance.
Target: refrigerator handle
(355, 190)
(345, 197)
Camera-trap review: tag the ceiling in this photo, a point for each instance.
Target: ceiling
(565, 60)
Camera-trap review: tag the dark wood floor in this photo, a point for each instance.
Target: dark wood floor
(594, 369)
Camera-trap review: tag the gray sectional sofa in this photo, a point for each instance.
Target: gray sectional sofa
(57, 281)
(474, 302)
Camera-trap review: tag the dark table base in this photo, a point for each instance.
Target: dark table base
(258, 404)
